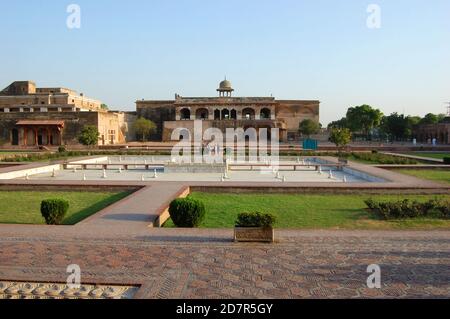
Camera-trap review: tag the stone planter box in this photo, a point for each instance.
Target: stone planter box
(254, 234)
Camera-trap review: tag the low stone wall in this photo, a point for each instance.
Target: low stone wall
(315, 190)
(165, 215)
(194, 168)
(30, 171)
(93, 160)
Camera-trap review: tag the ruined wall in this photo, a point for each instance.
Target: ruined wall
(158, 112)
(292, 113)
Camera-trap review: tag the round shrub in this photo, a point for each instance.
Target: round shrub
(54, 210)
(447, 160)
(62, 149)
(187, 212)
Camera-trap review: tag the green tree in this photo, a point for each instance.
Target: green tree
(308, 127)
(398, 126)
(431, 118)
(363, 119)
(144, 127)
(89, 135)
(342, 123)
(340, 137)
(104, 107)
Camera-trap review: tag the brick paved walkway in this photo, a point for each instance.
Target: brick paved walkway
(204, 264)
(141, 209)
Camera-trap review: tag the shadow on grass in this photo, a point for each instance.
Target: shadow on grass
(95, 208)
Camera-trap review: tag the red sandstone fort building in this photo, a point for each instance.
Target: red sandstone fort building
(225, 111)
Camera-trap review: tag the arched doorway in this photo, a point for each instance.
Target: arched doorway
(185, 114)
(265, 114)
(202, 114)
(248, 114)
(15, 137)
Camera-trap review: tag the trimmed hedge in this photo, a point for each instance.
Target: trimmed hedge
(447, 160)
(410, 209)
(187, 212)
(382, 158)
(54, 210)
(255, 219)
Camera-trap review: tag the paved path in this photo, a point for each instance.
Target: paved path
(141, 209)
(170, 263)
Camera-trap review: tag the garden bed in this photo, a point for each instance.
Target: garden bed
(23, 207)
(310, 211)
(436, 175)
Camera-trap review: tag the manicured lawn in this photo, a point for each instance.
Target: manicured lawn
(437, 175)
(24, 207)
(308, 211)
(431, 155)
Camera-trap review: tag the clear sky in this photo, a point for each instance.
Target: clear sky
(293, 49)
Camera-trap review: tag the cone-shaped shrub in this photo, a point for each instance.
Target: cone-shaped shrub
(54, 210)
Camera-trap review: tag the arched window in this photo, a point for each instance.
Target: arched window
(185, 114)
(225, 114)
(265, 114)
(233, 114)
(217, 114)
(202, 114)
(248, 114)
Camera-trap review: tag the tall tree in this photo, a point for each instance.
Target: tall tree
(144, 128)
(398, 126)
(308, 127)
(342, 123)
(89, 135)
(363, 119)
(431, 118)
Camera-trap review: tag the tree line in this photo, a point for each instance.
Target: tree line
(368, 123)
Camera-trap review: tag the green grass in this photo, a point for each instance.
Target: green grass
(437, 175)
(308, 211)
(23, 207)
(431, 155)
(378, 158)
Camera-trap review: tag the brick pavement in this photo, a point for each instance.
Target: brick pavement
(170, 263)
(116, 246)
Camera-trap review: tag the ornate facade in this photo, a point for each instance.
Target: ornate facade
(226, 111)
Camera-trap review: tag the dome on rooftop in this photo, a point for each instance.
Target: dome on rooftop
(225, 84)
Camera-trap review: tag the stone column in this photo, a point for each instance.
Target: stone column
(210, 114)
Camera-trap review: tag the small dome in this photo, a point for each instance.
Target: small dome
(225, 84)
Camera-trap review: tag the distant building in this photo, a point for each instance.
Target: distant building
(31, 116)
(226, 111)
(427, 132)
